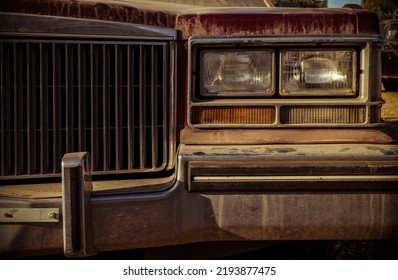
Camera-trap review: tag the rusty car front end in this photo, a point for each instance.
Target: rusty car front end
(141, 124)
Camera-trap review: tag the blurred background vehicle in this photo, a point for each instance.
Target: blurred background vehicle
(389, 29)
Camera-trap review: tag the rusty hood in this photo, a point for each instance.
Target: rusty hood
(191, 20)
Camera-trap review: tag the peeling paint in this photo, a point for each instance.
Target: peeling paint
(266, 21)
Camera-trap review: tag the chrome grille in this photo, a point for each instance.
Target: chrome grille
(108, 98)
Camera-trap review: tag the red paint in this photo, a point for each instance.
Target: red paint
(204, 21)
(266, 22)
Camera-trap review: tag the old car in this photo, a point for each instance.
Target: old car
(144, 124)
(389, 54)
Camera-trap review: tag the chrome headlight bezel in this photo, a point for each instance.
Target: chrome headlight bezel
(354, 106)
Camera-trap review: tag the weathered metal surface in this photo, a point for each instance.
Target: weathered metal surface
(30, 238)
(182, 218)
(176, 217)
(76, 192)
(19, 24)
(54, 190)
(103, 10)
(274, 136)
(264, 21)
(298, 168)
(367, 22)
(172, 215)
(28, 191)
(29, 215)
(196, 21)
(295, 184)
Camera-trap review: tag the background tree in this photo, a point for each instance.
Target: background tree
(307, 3)
(385, 9)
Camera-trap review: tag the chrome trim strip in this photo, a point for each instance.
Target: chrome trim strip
(285, 39)
(172, 110)
(289, 178)
(42, 25)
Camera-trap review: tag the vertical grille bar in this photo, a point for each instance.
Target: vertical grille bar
(82, 97)
(5, 105)
(44, 143)
(106, 104)
(165, 105)
(56, 115)
(18, 111)
(154, 107)
(130, 104)
(69, 97)
(118, 106)
(142, 108)
(31, 104)
(94, 105)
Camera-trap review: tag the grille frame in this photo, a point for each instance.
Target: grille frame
(25, 159)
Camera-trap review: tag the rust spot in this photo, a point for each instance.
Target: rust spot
(253, 209)
(282, 150)
(266, 21)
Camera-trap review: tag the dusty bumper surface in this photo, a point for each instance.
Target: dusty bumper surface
(177, 216)
(182, 216)
(276, 168)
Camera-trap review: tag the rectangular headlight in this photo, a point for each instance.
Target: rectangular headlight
(318, 72)
(236, 73)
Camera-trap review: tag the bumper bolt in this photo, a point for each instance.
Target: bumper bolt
(52, 215)
(8, 215)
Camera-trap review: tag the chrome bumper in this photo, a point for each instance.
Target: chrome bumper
(277, 192)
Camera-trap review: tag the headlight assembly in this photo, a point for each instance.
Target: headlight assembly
(269, 82)
(236, 73)
(318, 72)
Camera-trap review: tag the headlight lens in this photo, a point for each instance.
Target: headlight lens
(236, 73)
(318, 72)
